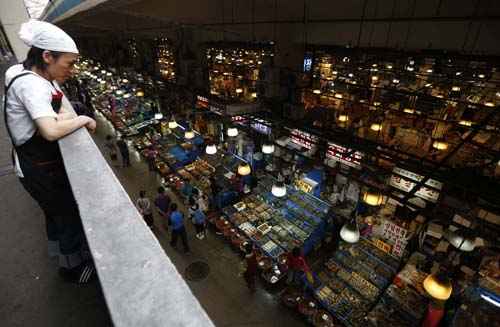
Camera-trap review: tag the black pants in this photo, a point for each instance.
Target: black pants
(182, 233)
(200, 228)
(151, 164)
(125, 159)
(49, 186)
(149, 220)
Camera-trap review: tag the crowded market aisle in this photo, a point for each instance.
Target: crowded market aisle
(222, 293)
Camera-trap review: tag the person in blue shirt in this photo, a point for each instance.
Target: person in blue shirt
(187, 190)
(198, 218)
(178, 229)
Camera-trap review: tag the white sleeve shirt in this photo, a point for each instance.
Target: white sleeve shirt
(28, 99)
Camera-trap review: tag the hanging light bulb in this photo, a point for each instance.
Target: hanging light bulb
(211, 149)
(189, 134)
(438, 286)
(232, 132)
(460, 241)
(350, 231)
(244, 169)
(267, 148)
(172, 123)
(440, 145)
(376, 127)
(372, 198)
(343, 118)
(278, 189)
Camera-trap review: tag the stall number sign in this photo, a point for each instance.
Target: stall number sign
(396, 235)
(407, 185)
(344, 155)
(383, 246)
(238, 119)
(201, 101)
(261, 128)
(399, 247)
(303, 139)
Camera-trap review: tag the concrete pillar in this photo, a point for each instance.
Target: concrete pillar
(12, 14)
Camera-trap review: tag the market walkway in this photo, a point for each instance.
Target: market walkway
(31, 293)
(223, 294)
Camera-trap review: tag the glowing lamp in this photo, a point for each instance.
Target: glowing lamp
(232, 132)
(440, 145)
(244, 169)
(438, 286)
(372, 198)
(278, 189)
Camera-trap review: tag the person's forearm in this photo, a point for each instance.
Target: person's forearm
(66, 116)
(65, 127)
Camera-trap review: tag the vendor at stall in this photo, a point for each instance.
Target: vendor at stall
(35, 120)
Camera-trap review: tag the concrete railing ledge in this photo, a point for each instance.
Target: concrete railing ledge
(141, 285)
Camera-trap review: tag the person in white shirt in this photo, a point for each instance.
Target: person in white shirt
(35, 121)
(144, 207)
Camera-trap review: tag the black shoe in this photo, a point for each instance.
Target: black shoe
(81, 274)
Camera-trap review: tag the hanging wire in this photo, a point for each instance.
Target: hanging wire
(469, 27)
(390, 23)
(361, 23)
(410, 24)
(373, 24)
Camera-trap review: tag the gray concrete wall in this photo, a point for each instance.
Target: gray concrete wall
(12, 14)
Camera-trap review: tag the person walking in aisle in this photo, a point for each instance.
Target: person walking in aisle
(250, 263)
(111, 146)
(144, 207)
(198, 218)
(162, 203)
(178, 229)
(297, 266)
(122, 146)
(151, 158)
(35, 120)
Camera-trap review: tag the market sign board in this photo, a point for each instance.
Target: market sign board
(405, 180)
(303, 139)
(205, 103)
(344, 155)
(201, 102)
(396, 235)
(261, 126)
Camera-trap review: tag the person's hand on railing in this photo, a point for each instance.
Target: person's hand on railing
(91, 124)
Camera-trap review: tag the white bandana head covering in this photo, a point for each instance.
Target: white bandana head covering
(46, 36)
